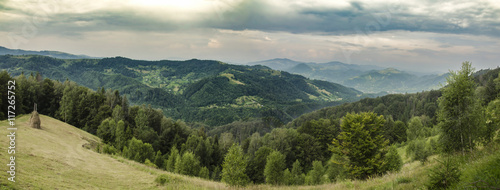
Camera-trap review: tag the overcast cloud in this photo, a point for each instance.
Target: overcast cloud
(411, 34)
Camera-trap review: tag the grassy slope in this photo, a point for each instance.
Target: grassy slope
(54, 158)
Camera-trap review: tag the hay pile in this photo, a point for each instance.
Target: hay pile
(35, 120)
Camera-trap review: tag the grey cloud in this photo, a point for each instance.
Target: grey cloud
(479, 19)
(364, 18)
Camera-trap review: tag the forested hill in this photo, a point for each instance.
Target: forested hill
(210, 92)
(405, 106)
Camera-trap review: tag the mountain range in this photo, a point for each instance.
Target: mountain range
(367, 78)
(54, 54)
(205, 91)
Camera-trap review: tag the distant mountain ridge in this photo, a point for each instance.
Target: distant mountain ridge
(206, 91)
(367, 78)
(54, 54)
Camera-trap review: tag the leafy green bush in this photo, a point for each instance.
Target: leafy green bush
(204, 173)
(485, 175)
(393, 161)
(418, 150)
(162, 179)
(150, 164)
(107, 149)
(444, 175)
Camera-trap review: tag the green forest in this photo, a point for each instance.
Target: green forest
(207, 92)
(357, 140)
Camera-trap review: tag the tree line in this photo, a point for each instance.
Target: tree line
(354, 140)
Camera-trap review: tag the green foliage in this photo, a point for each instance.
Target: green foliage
(162, 179)
(297, 174)
(170, 166)
(275, 165)
(316, 174)
(257, 164)
(444, 175)
(419, 150)
(106, 131)
(399, 131)
(415, 129)
(233, 168)
(188, 165)
(200, 90)
(158, 161)
(485, 174)
(393, 161)
(288, 179)
(108, 149)
(139, 151)
(120, 135)
(335, 169)
(459, 112)
(323, 132)
(362, 142)
(150, 164)
(492, 119)
(401, 107)
(204, 173)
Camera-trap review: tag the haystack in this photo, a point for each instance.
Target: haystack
(35, 120)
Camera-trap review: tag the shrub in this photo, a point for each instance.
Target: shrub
(204, 173)
(107, 149)
(485, 175)
(150, 164)
(444, 175)
(162, 179)
(418, 150)
(393, 161)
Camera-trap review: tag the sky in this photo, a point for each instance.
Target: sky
(415, 35)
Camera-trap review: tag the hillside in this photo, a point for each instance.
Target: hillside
(367, 78)
(55, 54)
(393, 80)
(58, 157)
(194, 90)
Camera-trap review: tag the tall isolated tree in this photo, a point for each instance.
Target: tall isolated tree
(362, 142)
(233, 168)
(459, 111)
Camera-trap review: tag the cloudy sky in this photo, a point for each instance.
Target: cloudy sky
(419, 35)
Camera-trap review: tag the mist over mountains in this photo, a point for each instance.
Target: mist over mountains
(367, 78)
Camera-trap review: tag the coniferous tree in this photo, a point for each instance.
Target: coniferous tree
(158, 161)
(172, 159)
(363, 143)
(120, 136)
